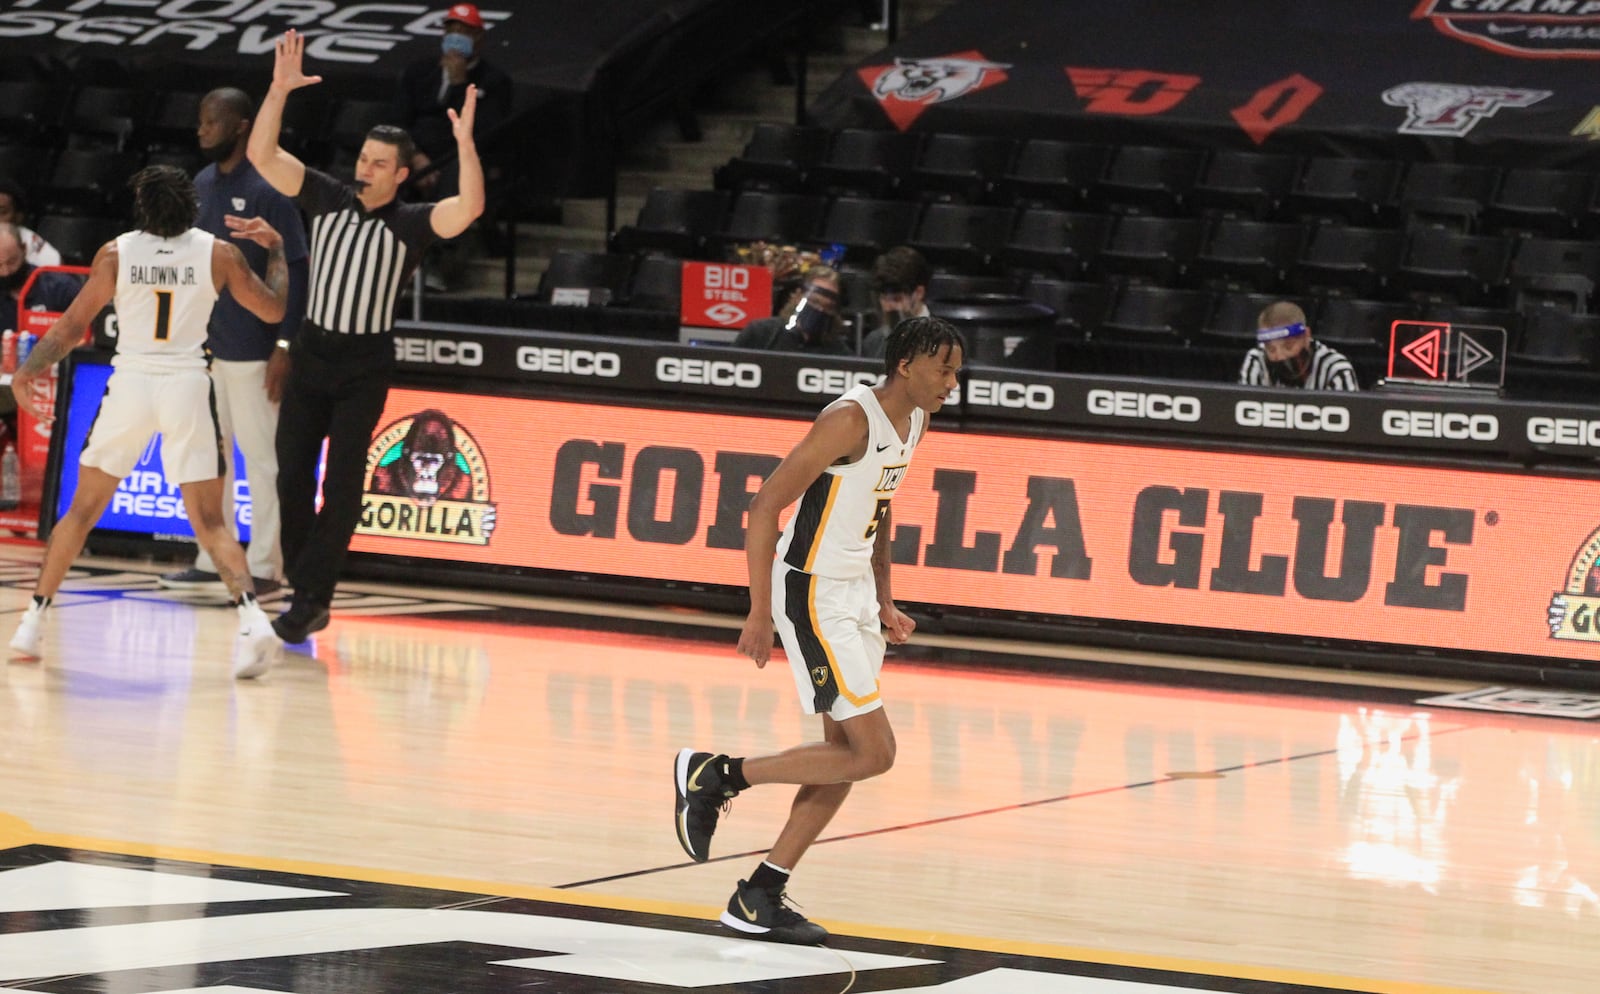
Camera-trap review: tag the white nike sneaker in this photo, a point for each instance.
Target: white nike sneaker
(255, 648)
(26, 641)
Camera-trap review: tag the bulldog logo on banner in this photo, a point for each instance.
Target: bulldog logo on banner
(911, 86)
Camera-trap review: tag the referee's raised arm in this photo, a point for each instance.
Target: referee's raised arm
(278, 167)
(452, 215)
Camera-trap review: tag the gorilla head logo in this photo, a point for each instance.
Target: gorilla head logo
(427, 469)
(932, 80)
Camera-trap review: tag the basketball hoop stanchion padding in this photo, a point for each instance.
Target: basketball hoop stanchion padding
(33, 435)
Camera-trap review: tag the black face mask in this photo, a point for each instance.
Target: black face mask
(13, 283)
(1290, 372)
(810, 322)
(216, 153)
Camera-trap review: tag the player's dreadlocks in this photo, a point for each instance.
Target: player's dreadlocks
(164, 201)
(920, 336)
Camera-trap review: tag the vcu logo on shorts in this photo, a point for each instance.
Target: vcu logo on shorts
(819, 675)
(427, 479)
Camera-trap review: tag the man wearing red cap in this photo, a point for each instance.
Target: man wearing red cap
(430, 87)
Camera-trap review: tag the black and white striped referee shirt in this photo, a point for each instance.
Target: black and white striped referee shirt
(1330, 370)
(359, 259)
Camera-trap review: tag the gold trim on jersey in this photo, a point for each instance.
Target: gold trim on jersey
(833, 663)
(814, 541)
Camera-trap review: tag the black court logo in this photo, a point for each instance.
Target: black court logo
(1575, 609)
(911, 86)
(427, 479)
(200, 926)
(1522, 30)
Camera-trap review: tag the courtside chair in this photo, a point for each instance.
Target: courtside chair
(1052, 173)
(1241, 184)
(1541, 202)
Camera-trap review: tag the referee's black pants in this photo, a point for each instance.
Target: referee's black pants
(336, 389)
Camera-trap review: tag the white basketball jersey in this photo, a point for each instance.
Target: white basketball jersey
(832, 531)
(163, 299)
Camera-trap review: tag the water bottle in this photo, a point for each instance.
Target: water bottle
(10, 477)
(25, 346)
(8, 352)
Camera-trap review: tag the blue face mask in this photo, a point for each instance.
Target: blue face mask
(454, 44)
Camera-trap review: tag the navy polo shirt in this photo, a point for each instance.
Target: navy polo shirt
(236, 335)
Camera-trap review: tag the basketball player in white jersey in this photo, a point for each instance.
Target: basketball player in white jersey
(163, 277)
(824, 583)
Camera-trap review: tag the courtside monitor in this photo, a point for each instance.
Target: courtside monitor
(1443, 354)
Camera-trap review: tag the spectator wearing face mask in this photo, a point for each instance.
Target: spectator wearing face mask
(901, 277)
(809, 323)
(1287, 356)
(431, 87)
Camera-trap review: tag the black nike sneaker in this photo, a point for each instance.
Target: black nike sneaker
(769, 915)
(702, 796)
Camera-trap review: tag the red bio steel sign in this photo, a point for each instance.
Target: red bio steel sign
(724, 295)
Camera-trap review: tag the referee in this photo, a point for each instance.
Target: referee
(364, 245)
(1286, 356)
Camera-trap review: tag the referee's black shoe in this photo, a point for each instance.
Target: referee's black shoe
(303, 617)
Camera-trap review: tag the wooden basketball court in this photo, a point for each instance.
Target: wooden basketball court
(461, 791)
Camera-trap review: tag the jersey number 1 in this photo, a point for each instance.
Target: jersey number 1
(163, 314)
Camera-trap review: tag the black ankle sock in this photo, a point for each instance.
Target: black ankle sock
(733, 774)
(40, 602)
(769, 877)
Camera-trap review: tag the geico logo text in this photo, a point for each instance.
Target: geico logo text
(1300, 417)
(1150, 406)
(832, 381)
(1456, 425)
(438, 351)
(1564, 431)
(710, 372)
(1004, 393)
(577, 362)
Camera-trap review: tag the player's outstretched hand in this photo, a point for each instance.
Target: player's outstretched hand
(461, 124)
(288, 62)
(253, 229)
